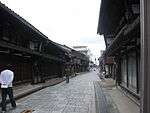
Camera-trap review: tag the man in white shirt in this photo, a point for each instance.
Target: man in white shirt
(6, 79)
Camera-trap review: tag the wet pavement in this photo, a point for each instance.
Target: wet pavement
(77, 96)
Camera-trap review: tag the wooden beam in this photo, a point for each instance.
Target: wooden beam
(21, 49)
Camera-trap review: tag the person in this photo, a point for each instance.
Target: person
(67, 78)
(36, 73)
(6, 79)
(67, 72)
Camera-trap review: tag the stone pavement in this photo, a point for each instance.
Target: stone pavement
(114, 98)
(75, 97)
(78, 96)
(26, 89)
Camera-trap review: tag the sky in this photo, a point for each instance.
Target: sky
(68, 22)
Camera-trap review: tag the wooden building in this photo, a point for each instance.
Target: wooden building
(29, 51)
(127, 24)
(34, 57)
(78, 61)
(119, 22)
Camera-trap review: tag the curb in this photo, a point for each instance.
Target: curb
(130, 96)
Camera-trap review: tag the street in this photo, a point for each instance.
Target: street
(75, 97)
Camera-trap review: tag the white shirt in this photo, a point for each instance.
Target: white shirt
(6, 78)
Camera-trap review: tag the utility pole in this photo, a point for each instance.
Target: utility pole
(145, 55)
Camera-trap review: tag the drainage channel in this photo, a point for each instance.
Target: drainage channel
(104, 102)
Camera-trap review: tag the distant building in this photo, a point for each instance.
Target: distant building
(102, 52)
(82, 49)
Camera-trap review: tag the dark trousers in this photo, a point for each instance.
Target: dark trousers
(67, 78)
(7, 91)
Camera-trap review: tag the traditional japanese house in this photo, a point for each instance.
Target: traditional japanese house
(78, 61)
(119, 23)
(81, 61)
(34, 57)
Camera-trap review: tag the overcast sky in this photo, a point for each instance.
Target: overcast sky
(69, 22)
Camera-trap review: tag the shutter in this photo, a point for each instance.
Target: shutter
(124, 71)
(132, 77)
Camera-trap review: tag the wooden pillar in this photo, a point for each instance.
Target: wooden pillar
(145, 55)
(127, 71)
(137, 70)
(118, 70)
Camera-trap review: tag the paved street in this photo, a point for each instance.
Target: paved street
(76, 97)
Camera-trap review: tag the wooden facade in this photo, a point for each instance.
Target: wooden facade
(133, 57)
(34, 57)
(119, 22)
(79, 62)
